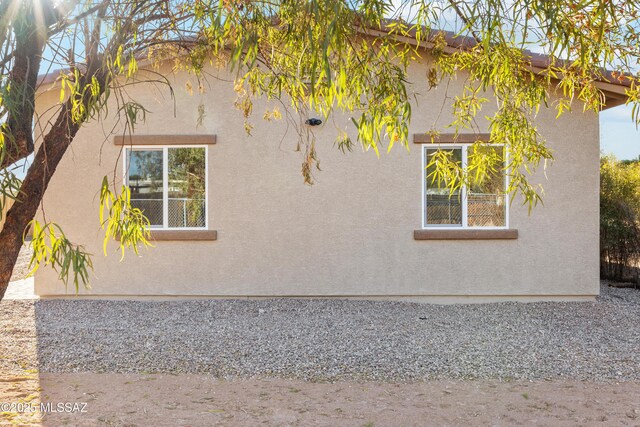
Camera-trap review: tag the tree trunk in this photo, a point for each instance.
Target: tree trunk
(30, 41)
(33, 187)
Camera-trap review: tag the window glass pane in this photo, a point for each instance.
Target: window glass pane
(145, 179)
(441, 207)
(486, 205)
(187, 206)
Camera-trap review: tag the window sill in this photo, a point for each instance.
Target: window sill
(499, 234)
(184, 235)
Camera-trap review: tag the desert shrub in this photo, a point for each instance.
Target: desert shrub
(619, 216)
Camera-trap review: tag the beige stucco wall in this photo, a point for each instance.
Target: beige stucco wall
(349, 235)
(7, 205)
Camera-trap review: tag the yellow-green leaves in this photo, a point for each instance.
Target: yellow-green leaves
(9, 189)
(633, 99)
(484, 162)
(466, 107)
(134, 113)
(118, 62)
(123, 224)
(52, 248)
(445, 170)
(132, 68)
(315, 57)
(500, 71)
(86, 96)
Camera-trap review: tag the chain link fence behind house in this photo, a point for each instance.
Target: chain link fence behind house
(182, 212)
(483, 210)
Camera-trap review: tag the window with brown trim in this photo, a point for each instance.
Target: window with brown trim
(478, 210)
(480, 204)
(168, 182)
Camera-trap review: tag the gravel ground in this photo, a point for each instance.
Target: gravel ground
(327, 340)
(18, 349)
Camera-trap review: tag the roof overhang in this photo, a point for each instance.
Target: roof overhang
(614, 89)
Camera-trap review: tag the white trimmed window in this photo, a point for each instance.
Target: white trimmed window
(481, 205)
(168, 183)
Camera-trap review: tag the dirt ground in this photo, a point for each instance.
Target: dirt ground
(201, 400)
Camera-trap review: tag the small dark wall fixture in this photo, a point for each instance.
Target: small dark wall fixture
(313, 122)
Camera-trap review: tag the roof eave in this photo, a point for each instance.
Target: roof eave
(614, 89)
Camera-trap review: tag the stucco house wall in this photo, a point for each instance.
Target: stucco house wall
(349, 235)
(5, 209)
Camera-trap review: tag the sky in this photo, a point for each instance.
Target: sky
(618, 134)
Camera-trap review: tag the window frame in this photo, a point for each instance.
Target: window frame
(165, 178)
(464, 226)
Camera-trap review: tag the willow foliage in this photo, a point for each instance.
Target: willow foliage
(353, 57)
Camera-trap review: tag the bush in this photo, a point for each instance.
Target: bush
(619, 215)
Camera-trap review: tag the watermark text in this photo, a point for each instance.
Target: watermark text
(44, 407)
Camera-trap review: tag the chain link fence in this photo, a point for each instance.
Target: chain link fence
(486, 210)
(483, 210)
(182, 212)
(442, 209)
